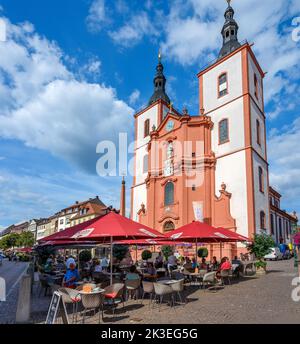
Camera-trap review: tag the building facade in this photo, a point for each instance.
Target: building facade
(213, 166)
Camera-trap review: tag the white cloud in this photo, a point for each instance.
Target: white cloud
(134, 97)
(134, 30)
(48, 108)
(284, 157)
(97, 16)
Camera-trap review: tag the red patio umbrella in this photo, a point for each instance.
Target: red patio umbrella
(197, 231)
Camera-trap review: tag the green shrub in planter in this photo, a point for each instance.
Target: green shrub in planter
(202, 252)
(260, 247)
(85, 256)
(146, 255)
(167, 251)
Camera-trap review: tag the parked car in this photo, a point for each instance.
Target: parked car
(275, 254)
(2, 255)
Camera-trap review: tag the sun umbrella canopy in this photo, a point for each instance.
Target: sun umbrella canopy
(145, 242)
(205, 233)
(115, 226)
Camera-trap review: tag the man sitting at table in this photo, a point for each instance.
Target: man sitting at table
(172, 262)
(159, 261)
(203, 265)
(71, 277)
(150, 269)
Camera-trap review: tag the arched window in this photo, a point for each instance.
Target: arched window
(272, 224)
(222, 85)
(147, 127)
(255, 86)
(261, 179)
(262, 220)
(223, 131)
(169, 226)
(169, 194)
(145, 164)
(258, 131)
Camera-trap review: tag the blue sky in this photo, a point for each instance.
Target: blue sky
(72, 73)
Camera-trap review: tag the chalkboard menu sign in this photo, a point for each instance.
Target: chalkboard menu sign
(57, 305)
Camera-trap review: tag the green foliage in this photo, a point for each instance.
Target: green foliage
(261, 264)
(120, 251)
(23, 257)
(261, 246)
(146, 254)
(85, 256)
(202, 252)
(43, 253)
(167, 251)
(25, 239)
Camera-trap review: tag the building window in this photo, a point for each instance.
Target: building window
(223, 131)
(255, 86)
(258, 132)
(280, 230)
(222, 85)
(169, 226)
(194, 187)
(145, 164)
(61, 222)
(147, 128)
(261, 179)
(272, 224)
(262, 220)
(169, 194)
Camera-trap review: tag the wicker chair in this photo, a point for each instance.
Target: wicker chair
(92, 301)
(178, 289)
(148, 288)
(209, 279)
(71, 296)
(161, 290)
(113, 295)
(132, 286)
(225, 276)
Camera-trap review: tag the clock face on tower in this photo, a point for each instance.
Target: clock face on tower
(170, 126)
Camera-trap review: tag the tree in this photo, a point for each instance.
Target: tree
(146, 254)
(260, 247)
(26, 239)
(167, 251)
(12, 240)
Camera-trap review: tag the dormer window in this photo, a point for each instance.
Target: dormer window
(222, 85)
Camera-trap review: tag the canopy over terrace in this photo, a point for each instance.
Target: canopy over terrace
(110, 228)
(197, 231)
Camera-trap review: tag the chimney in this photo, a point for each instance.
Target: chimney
(122, 198)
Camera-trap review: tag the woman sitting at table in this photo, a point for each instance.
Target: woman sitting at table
(71, 277)
(203, 265)
(132, 274)
(224, 265)
(214, 265)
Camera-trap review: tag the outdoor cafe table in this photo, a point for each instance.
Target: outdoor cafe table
(167, 282)
(99, 291)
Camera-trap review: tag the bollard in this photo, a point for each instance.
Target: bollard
(23, 308)
(2, 290)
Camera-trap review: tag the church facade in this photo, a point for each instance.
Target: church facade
(211, 167)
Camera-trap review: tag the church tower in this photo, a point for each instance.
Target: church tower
(231, 93)
(145, 121)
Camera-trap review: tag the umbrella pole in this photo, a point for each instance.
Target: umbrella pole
(197, 250)
(136, 254)
(111, 260)
(220, 250)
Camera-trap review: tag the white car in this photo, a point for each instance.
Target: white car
(275, 254)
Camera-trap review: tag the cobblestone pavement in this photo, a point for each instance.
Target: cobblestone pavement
(12, 273)
(265, 299)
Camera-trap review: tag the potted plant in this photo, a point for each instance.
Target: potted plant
(146, 254)
(202, 252)
(260, 247)
(167, 251)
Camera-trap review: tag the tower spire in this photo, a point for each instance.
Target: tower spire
(229, 32)
(122, 198)
(159, 83)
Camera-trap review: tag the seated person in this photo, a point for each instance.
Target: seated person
(214, 265)
(150, 269)
(159, 261)
(60, 265)
(132, 274)
(194, 263)
(172, 262)
(104, 263)
(235, 260)
(203, 265)
(225, 265)
(48, 268)
(96, 266)
(71, 277)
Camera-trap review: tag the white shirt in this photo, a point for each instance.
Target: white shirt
(70, 261)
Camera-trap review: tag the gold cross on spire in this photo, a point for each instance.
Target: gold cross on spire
(159, 55)
(228, 1)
